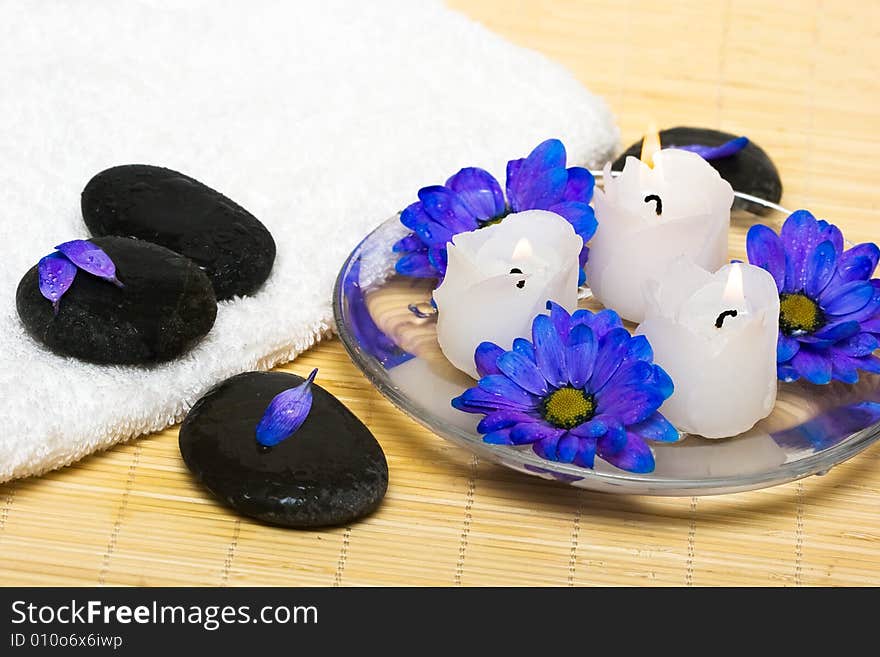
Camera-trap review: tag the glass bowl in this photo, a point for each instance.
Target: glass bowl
(385, 323)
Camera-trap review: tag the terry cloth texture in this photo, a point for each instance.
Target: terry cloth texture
(321, 118)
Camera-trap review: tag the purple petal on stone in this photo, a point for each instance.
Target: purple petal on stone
(567, 448)
(446, 208)
(635, 456)
(411, 242)
(498, 384)
(815, 367)
(479, 191)
(656, 428)
(859, 262)
(486, 358)
(786, 348)
(727, 149)
(847, 298)
(799, 234)
(581, 356)
(524, 347)
(416, 265)
(286, 413)
(56, 274)
(91, 259)
(863, 344)
(502, 420)
(500, 437)
(611, 351)
(586, 453)
(580, 215)
(821, 265)
(765, 250)
(579, 186)
(529, 432)
(523, 372)
(549, 351)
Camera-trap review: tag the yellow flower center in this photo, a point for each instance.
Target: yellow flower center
(567, 407)
(798, 314)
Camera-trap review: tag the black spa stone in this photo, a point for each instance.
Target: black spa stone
(169, 208)
(331, 471)
(750, 171)
(167, 304)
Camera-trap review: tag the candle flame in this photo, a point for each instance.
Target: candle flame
(650, 145)
(733, 291)
(522, 250)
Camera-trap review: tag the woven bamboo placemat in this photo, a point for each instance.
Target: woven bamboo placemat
(799, 78)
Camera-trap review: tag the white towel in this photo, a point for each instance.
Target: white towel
(321, 118)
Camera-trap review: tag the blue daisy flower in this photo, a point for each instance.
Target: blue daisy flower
(829, 314)
(472, 198)
(582, 387)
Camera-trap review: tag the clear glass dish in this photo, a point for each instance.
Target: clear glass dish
(381, 319)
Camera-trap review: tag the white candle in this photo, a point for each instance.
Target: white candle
(498, 278)
(715, 335)
(648, 217)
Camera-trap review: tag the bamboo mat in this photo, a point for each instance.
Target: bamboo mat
(798, 77)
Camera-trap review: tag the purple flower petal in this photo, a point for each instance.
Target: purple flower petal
(638, 348)
(632, 404)
(831, 233)
(580, 215)
(847, 298)
(838, 331)
(579, 186)
(868, 363)
(765, 250)
(500, 385)
(656, 428)
(581, 356)
(787, 373)
(524, 347)
(502, 420)
(523, 372)
(567, 448)
(546, 447)
(821, 265)
(430, 232)
(549, 351)
(813, 366)
(561, 319)
(538, 181)
(479, 191)
(592, 429)
(799, 236)
(411, 242)
(786, 348)
(56, 274)
(438, 258)
(500, 437)
(477, 400)
(446, 208)
(601, 322)
(663, 382)
(635, 456)
(286, 413)
(858, 263)
(90, 258)
(529, 432)
(863, 344)
(843, 369)
(612, 349)
(727, 149)
(486, 358)
(416, 265)
(586, 453)
(614, 439)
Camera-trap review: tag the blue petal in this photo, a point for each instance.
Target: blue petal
(639, 348)
(863, 344)
(567, 448)
(586, 453)
(524, 347)
(636, 456)
(847, 298)
(411, 242)
(727, 149)
(831, 233)
(539, 192)
(663, 382)
(813, 366)
(549, 351)
(611, 351)
(477, 400)
(55, 274)
(614, 439)
(486, 358)
(601, 322)
(858, 263)
(502, 420)
(446, 208)
(500, 437)
(843, 369)
(286, 413)
(91, 259)
(821, 265)
(581, 355)
(786, 348)
(579, 186)
(765, 250)
(529, 432)
(417, 265)
(799, 236)
(631, 404)
(580, 215)
(413, 215)
(546, 447)
(498, 384)
(560, 318)
(838, 331)
(656, 428)
(479, 191)
(592, 429)
(438, 258)
(787, 373)
(523, 372)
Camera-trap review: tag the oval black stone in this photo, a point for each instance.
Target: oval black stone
(329, 472)
(169, 208)
(750, 171)
(166, 305)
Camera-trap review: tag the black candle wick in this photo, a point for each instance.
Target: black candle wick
(657, 200)
(519, 284)
(727, 313)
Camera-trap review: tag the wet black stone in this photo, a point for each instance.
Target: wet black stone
(750, 171)
(167, 304)
(169, 208)
(329, 472)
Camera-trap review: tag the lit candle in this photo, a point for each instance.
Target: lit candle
(671, 204)
(715, 335)
(498, 278)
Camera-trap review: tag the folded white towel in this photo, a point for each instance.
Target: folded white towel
(321, 118)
